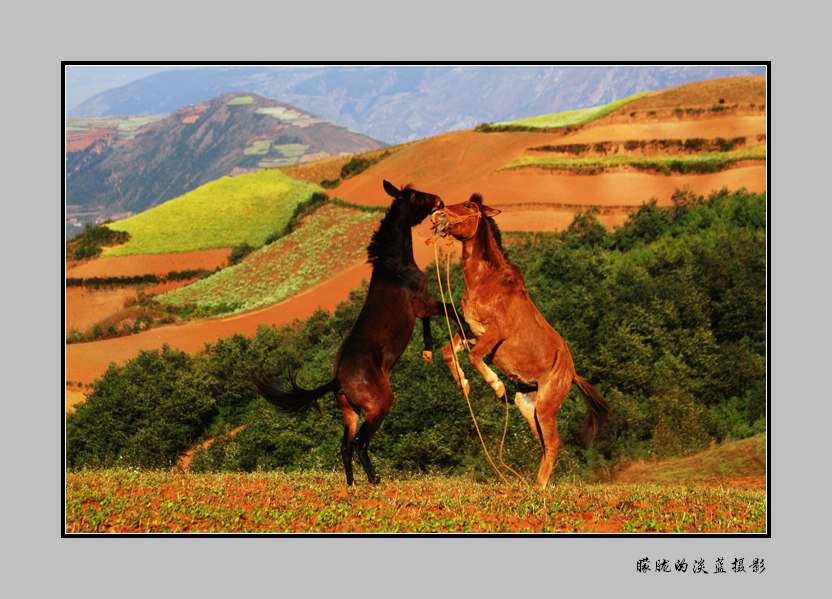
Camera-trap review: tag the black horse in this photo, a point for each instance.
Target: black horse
(397, 296)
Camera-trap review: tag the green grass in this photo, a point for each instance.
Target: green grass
(286, 115)
(122, 123)
(328, 239)
(258, 147)
(291, 150)
(241, 100)
(573, 118)
(131, 501)
(682, 163)
(222, 214)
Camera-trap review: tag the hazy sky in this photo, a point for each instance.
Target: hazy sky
(84, 81)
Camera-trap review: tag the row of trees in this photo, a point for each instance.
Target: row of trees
(666, 316)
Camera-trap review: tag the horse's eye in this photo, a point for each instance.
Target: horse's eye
(467, 205)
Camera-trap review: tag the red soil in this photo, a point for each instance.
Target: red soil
(78, 140)
(151, 264)
(84, 307)
(456, 164)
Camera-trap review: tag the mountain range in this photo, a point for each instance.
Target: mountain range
(400, 103)
(118, 167)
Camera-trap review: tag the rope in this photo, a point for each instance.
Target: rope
(459, 369)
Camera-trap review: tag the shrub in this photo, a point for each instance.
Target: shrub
(239, 252)
(355, 166)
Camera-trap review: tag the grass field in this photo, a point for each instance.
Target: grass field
(123, 501)
(572, 118)
(221, 214)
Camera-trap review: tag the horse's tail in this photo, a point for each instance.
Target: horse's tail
(291, 400)
(597, 410)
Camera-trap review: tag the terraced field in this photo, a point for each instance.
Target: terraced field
(331, 237)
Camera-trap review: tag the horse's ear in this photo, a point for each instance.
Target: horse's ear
(476, 198)
(490, 212)
(390, 189)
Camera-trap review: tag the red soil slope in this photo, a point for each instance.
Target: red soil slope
(153, 264)
(456, 164)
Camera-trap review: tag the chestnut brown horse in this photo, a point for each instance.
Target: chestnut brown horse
(397, 296)
(511, 330)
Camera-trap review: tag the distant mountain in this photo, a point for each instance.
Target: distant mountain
(118, 167)
(396, 103)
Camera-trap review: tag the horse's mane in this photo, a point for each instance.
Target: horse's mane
(386, 248)
(498, 251)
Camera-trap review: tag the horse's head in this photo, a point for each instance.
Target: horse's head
(416, 204)
(461, 220)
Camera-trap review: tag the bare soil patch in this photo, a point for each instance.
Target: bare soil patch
(85, 307)
(151, 264)
(744, 92)
(748, 126)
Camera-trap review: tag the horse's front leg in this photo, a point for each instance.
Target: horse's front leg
(424, 307)
(485, 344)
(427, 353)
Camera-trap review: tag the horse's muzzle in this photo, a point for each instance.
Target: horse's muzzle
(441, 224)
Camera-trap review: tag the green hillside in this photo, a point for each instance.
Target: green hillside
(222, 214)
(572, 118)
(331, 236)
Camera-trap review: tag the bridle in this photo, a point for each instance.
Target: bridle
(451, 221)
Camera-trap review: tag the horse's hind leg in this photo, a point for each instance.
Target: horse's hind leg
(350, 429)
(525, 403)
(549, 399)
(374, 416)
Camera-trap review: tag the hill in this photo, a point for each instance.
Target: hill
(674, 124)
(400, 103)
(113, 174)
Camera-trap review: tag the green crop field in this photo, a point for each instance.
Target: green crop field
(222, 214)
(572, 118)
(682, 163)
(133, 501)
(329, 238)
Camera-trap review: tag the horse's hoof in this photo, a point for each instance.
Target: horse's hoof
(427, 356)
(499, 389)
